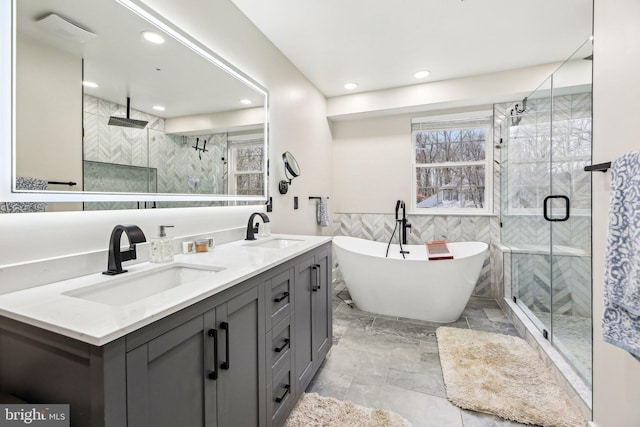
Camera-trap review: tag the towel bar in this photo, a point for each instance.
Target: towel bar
(70, 183)
(315, 197)
(602, 167)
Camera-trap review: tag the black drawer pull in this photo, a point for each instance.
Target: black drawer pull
(279, 399)
(225, 326)
(279, 349)
(316, 268)
(213, 375)
(281, 297)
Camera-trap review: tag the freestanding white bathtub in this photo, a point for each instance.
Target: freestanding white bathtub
(415, 287)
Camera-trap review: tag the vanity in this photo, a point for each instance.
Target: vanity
(235, 343)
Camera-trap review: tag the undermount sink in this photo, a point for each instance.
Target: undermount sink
(133, 287)
(277, 243)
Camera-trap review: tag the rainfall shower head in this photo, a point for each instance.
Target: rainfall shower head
(126, 121)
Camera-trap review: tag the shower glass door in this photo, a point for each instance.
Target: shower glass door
(571, 238)
(546, 208)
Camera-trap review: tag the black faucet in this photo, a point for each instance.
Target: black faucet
(253, 229)
(403, 221)
(135, 235)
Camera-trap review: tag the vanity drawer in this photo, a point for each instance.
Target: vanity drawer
(279, 297)
(279, 340)
(281, 399)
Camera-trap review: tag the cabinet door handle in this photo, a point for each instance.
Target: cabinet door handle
(279, 399)
(279, 349)
(225, 326)
(316, 287)
(281, 297)
(213, 375)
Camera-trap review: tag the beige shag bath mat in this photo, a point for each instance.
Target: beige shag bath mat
(314, 410)
(502, 375)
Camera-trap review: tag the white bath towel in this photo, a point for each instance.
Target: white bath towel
(621, 315)
(322, 212)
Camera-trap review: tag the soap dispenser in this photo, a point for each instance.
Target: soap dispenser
(162, 246)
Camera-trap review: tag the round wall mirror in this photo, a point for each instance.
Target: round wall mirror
(290, 168)
(290, 164)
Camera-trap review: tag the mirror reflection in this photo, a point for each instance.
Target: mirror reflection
(100, 108)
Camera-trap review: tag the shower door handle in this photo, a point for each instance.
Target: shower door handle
(545, 208)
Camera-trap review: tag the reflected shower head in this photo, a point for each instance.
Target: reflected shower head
(126, 121)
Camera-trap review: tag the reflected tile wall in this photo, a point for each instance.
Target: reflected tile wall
(180, 168)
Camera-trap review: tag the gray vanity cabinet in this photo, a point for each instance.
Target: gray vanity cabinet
(207, 371)
(239, 358)
(166, 379)
(312, 318)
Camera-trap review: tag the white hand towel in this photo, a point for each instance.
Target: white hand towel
(322, 212)
(621, 315)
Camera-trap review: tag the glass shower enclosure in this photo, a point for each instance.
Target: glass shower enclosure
(545, 206)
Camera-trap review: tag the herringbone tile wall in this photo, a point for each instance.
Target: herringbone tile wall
(179, 167)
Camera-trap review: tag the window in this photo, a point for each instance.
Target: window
(246, 165)
(451, 157)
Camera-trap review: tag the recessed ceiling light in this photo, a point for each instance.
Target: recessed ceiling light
(153, 37)
(87, 83)
(350, 85)
(421, 74)
(158, 107)
(245, 101)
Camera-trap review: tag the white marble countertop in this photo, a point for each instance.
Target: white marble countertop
(97, 323)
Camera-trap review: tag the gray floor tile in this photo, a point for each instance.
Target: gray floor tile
(389, 345)
(460, 323)
(489, 326)
(390, 363)
(344, 359)
(496, 315)
(331, 384)
(482, 302)
(478, 419)
(404, 329)
(475, 312)
(428, 382)
(422, 410)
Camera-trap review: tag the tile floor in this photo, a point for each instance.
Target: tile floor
(390, 363)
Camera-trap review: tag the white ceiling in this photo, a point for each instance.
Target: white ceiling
(381, 43)
(124, 64)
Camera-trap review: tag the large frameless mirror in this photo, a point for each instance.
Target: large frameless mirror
(115, 107)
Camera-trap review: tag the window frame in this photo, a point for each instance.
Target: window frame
(239, 142)
(488, 208)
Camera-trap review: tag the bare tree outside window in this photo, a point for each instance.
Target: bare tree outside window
(451, 165)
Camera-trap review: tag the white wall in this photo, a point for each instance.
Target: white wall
(371, 159)
(297, 109)
(616, 375)
(49, 117)
(297, 123)
(372, 142)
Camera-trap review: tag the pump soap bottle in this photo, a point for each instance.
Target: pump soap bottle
(162, 247)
